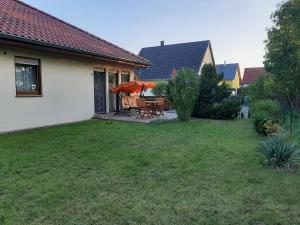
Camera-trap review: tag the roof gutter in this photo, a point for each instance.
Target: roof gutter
(48, 45)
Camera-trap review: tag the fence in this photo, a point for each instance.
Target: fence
(291, 122)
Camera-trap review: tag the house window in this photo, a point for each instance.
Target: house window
(28, 77)
(125, 77)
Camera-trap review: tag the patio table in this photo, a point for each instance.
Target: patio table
(153, 106)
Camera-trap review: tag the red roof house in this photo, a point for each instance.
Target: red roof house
(24, 23)
(252, 74)
(53, 72)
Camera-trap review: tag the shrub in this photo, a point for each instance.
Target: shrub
(264, 111)
(211, 93)
(279, 152)
(160, 89)
(267, 126)
(259, 126)
(263, 88)
(164, 89)
(184, 93)
(169, 91)
(227, 109)
(272, 128)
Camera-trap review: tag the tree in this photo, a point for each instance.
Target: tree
(210, 91)
(184, 93)
(164, 89)
(263, 88)
(160, 89)
(169, 91)
(282, 57)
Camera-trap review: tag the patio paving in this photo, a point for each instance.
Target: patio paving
(131, 117)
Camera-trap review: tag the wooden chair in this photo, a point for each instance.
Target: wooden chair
(132, 101)
(129, 102)
(143, 109)
(125, 103)
(160, 106)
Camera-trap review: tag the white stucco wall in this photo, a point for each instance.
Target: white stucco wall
(67, 90)
(67, 87)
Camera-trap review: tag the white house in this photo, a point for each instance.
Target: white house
(52, 72)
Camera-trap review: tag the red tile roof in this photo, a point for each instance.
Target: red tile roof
(252, 74)
(22, 22)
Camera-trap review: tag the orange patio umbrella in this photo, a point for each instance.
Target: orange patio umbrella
(133, 87)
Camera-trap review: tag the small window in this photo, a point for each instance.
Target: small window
(125, 77)
(28, 77)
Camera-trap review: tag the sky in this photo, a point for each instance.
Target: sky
(236, 28)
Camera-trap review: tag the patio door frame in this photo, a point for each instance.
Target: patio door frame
(103, 71)
(116, 73)
(119, 71)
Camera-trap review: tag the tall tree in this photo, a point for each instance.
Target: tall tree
(185, 93)
(282, 57)
(210, 91)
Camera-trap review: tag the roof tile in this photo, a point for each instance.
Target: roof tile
(18, 19)
(252, 74)
(167, 58)
(229, 70)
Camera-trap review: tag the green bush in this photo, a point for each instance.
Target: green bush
(272, 128)
(160, 89)
(263, 88)
(279, 152)
(165, 89)
(227, 109)
(212, 95)
(263, 111)
(169, 91)
(259, 126)
(184, 93)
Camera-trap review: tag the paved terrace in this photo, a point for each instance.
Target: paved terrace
(131, 117)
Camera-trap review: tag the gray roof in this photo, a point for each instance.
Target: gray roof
(229, 70)
(166, 58)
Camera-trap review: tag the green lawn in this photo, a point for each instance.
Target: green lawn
(102, 172)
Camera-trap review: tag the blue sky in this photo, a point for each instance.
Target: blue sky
(236, 28)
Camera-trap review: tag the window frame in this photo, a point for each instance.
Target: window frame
(126, 74)
(37, 93)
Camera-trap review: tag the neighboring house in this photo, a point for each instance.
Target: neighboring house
(252, 74)
(232, 74)
(52, 72)
(167, 59)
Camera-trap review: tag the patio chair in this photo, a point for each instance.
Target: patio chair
(125, 103)
(132, 101)
(143, 108)
(129, 102)
(160, 106)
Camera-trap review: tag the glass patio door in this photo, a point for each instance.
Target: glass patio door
(99, 92)
(112, 82)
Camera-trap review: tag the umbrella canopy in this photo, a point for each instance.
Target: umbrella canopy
(133, 87)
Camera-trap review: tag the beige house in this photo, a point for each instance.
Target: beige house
(52, 72)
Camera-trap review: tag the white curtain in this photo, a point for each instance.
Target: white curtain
(26, 78)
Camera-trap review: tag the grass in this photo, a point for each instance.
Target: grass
(103, 172)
